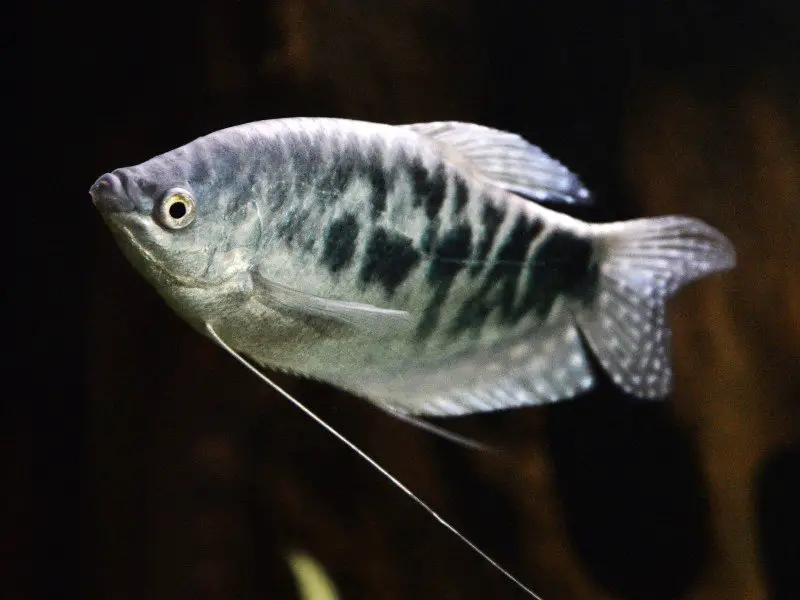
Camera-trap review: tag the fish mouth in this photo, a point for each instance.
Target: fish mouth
(109, 195)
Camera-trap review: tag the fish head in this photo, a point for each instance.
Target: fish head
(184, 218)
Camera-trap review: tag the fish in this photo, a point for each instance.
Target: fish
(429, 268)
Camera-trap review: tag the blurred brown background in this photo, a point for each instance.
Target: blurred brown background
(141, 462)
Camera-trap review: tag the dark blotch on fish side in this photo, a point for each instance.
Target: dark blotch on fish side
(379, 182)
(491, 219)
(451, 254)
(460, 195)
(504, 272)
(340, 243)
(306, 163)
(472, 318)
(419, 175)
(389, 259)
(428, 240)
(510, 260)
(507, 267)
(428, 188)
(449, 258)
(278, 191)
(336, 178)
(292, 223)
(562, 265)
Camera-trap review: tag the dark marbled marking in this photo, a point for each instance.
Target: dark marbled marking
(428, 188)
(491, 219)
(428, 240)
(504, 273)
(340, 243)
(302, 154)
(460, 195)
(333, 181)
(380, 180)
(562, 265)
(419, 175)
(389, 259)
(471, 317)
(451, 254)
(291, 224)
(449, 258)
(510, 260)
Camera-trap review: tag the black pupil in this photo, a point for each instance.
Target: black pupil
(177, 210)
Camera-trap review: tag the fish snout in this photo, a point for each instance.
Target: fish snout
(109, 195)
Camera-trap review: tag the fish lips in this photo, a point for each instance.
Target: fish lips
(109, 195)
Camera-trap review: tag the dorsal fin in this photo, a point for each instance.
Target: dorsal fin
(509, 161)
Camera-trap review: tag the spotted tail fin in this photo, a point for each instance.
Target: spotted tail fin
(641, 264)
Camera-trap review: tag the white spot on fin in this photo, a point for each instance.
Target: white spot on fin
(647, 261)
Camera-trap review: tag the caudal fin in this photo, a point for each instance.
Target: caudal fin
(642, 263)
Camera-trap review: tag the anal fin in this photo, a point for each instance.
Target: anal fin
(542, 367)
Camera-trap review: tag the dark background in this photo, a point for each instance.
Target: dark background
(139, 461)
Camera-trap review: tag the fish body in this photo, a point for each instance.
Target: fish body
(417, 266)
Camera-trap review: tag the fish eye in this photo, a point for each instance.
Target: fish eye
(177, 209)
